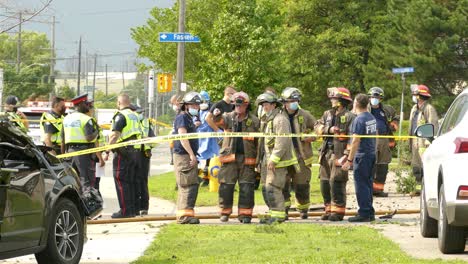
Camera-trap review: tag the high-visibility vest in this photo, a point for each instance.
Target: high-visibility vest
(132, 128)
(16, 119)
(145, 128)
(74, 128)
(56, 122)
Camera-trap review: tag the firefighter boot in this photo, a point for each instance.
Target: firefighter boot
(379, 181)
(302, 199)
(226, 196)
(339, 200)
(246, 202)
(326, 194)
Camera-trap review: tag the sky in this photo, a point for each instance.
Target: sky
(104, 25)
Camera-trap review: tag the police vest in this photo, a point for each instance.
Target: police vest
(133, 125)
(16, 119)
(74, 128)
(56, 122)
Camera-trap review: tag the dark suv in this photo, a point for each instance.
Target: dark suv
(42, 210)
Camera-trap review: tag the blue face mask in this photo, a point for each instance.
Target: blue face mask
(374, 101)
(193, 111)
(294, 106)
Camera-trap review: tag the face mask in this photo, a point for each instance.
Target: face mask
(374, 101)
(415, 99)
(294, 106)
(175, 108)
(193, 111)
(203, 106)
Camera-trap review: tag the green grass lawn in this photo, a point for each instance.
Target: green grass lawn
(285, 243)
(163, 186)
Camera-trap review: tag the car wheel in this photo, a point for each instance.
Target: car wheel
(66, 235)
(428, 225)
(451, 238)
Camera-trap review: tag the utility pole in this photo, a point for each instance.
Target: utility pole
(123, 81)
(18, 46)
(1, 90)
(106, 80)
(94, 75)
(86, 69)
(79, 69)
(181, 46)
(52, 60)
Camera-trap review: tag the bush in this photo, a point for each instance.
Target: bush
(406, 182)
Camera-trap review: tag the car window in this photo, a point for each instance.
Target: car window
(455, 115)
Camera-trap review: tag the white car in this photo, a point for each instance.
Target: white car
(444, 197)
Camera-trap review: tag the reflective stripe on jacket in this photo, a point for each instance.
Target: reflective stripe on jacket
(56, 122)
(74, 128)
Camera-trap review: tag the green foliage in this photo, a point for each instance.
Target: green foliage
(31, 81)
(103, 101)
(66, 92)
(405, 181)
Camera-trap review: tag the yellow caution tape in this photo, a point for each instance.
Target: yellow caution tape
(152, 140)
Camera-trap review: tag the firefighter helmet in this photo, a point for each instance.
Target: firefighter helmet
(376, 92)
(266, 98)
(240, 98)
(192, 98)
(339, 93)
(291, 93)
(422, 90)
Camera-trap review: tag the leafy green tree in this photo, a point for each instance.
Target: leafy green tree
(103, 101)
(66, 92)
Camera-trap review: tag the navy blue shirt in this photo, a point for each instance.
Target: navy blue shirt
(185, 120)
(365, 124)
(379, 114)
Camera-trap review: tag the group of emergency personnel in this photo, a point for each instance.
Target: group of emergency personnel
(285, 162)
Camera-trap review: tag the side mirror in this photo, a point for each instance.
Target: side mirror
(425, 131)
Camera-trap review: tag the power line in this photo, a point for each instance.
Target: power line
(29, 18)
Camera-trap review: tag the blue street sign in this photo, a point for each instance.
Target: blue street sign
(177, 37)
(402, 70)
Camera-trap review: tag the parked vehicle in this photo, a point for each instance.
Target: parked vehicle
(444, 197)
(42, 210)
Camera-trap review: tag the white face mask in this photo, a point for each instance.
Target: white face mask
(193, 111)
(294, 106)
(203, 106)
(415, 99)
(175, 108)
(374, 101)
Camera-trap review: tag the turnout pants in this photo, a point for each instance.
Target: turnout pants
(300, 182)
(141, 193)
(383, 158)
(229, 175)
(333, 185)
(125, 167)
(362, 168)
(187, 182)
(273, 185)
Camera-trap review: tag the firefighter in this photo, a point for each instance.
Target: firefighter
(125, 127)
(276, 155)
(301, 121)
(17, 117)
(80, 132)
(238, 158)
(333, 152)
(185, 160)
(51, 125)
(421, 113)
(387, 123)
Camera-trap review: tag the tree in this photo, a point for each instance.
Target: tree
(103, 101)
(66, 92)
(31, 81)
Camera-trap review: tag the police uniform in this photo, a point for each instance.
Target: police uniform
(77, 127)
(238, 158)
(125, 162)
(51, 123)
(142, 194)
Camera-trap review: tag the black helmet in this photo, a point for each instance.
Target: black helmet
(192, 98)
(291, 93)
(376, 91)
(266, 98)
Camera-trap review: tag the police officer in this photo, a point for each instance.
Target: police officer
(125, 127)
(51, 125)
(142, 194)
(238, 158)
(387, 123)
(301, 121)
(17, 117)
(362, 155)
(80, 132)
(185, 160)
(277, 154)
(335, 122)
(421, 113)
